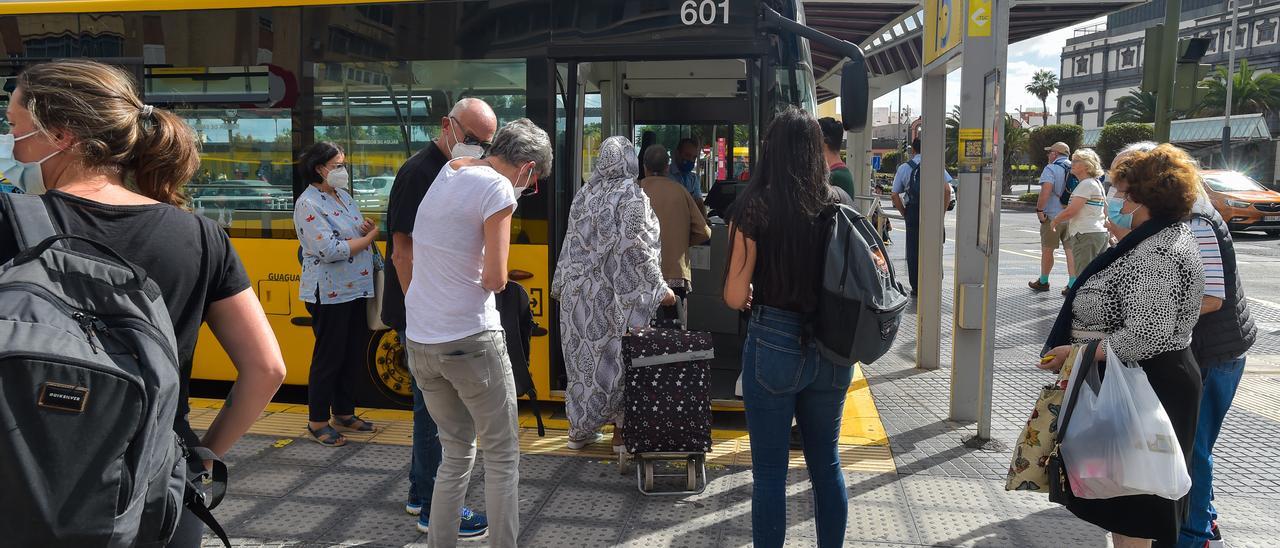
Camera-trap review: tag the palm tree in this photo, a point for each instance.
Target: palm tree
(1252, 92)
(1043, 84)
(953, 137)
(1137, 106)
(1016, 140)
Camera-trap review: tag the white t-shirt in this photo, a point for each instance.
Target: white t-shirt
(1093, 216)
(446, 301)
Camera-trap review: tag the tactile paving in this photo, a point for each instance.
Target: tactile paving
(548, 533)
(586, 503)
(293, 520)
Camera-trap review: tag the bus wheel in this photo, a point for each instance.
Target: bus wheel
(389, 370)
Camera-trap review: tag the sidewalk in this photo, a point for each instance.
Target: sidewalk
(923, 489)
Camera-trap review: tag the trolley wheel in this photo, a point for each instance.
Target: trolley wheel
(691, 464)
(647, 473)
(623, 458)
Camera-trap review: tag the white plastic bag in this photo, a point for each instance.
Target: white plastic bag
(1119, 440)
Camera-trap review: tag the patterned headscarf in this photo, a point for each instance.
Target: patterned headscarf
(613, 231)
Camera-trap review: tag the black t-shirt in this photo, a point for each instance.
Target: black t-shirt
(411, 184)
(796, 286)
(187, 255)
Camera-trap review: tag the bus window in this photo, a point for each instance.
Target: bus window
(381, 113)
(246, 171)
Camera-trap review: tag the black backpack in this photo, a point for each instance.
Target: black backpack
(861, 304)
(89, 388)
(913, 187)
(1070, 181)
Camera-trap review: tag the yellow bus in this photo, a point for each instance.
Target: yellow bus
(261, 80)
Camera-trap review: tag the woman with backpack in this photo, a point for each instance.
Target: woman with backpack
(114, 169)
(775, 271)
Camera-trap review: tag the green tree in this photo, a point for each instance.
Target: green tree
(1042, 85)
(1137, 106)
(890, 160)
(1251, 93)
(1044, 136)
(1115, 136)
(1016, 138)
(953, 137)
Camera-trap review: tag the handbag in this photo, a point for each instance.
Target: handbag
(1028, 469)
(373, 305)
(1059, 484)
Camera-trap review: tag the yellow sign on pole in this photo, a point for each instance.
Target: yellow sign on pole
(942, 30)
(979, 18)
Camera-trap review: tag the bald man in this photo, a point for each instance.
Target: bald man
(466, 131)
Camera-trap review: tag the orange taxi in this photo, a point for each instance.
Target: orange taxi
(1243, 202)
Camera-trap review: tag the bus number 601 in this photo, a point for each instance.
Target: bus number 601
(705, 12)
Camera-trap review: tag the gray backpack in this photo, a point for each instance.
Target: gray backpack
(89, 384)
(861, 300)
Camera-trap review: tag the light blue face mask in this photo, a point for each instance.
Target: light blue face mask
(1114, 208)
(25, 177)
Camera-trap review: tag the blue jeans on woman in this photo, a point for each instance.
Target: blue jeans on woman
(783, 376)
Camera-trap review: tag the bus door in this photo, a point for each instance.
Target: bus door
(709, 101)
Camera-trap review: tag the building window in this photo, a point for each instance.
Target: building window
(1079, 112)
(1127, 57)
(1082, 65)
(1068, 103)
(1091, 101)
(382, 15)
(1240, 35)
(1266, 31)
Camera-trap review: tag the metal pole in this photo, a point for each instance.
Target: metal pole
(1231, 84)
(1168, 57)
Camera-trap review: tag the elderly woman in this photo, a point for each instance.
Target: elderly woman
(608, 280)
(337, 268)
(1142, 298)
(1086, 215)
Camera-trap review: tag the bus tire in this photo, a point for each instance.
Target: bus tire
(386, 383)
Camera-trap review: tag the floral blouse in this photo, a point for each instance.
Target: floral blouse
(1147, 302)
(329, 271)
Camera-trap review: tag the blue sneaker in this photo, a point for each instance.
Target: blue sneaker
(472, 526)
(413, 509)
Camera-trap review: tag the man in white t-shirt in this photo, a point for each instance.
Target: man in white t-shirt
(1085, 216)
(456, 348)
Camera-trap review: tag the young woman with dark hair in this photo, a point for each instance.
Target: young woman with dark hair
(775, 270)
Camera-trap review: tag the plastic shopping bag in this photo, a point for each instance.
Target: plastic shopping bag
(1121, 441)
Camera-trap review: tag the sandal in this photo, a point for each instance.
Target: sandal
(354, 424)
(327, 436)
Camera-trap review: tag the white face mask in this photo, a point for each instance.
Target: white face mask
(461, 149)
(25, 176)
(338, 178)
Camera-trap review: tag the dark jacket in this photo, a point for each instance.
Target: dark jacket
(1227, 333)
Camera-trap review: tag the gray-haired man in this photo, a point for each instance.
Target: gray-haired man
(456, 347)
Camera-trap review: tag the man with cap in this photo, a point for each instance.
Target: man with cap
(1053, 181)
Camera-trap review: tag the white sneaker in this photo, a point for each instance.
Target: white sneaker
(595, 438)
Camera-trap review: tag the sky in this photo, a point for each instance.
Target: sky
(1025, 58)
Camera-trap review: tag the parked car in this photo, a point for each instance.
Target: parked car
(240, 194)
(1243, 202)
(373, 193)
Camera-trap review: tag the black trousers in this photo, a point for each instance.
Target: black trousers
(342, 331)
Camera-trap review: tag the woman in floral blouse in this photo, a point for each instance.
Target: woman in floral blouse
(337, 277)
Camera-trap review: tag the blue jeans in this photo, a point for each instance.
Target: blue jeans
(1220, 382)
(425, 458)
(783, 376)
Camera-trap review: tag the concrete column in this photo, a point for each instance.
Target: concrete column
(858, 158)
(929, 303)
(976, 268)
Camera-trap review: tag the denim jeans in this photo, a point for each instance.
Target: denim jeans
(1220, 382)
(785, 377)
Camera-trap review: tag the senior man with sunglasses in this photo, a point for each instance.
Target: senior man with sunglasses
(465, 132)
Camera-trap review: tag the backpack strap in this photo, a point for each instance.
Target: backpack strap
(201, 501)
(29, 219)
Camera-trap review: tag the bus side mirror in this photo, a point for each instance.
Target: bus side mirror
(854, 92)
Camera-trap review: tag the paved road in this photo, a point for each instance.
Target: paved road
(941, 494)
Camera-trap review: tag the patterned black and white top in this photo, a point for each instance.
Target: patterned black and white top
(1147, 302)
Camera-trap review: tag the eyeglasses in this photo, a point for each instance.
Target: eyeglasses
(469, 139)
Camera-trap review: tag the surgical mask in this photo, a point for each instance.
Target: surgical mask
(1122, 220)
(462, 149)
(529, 188)
(686, 166)
(338, 178)
(26, 176)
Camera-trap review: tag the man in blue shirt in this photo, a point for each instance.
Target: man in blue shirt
(682, 169)
(1053, 180)
(906, 199)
